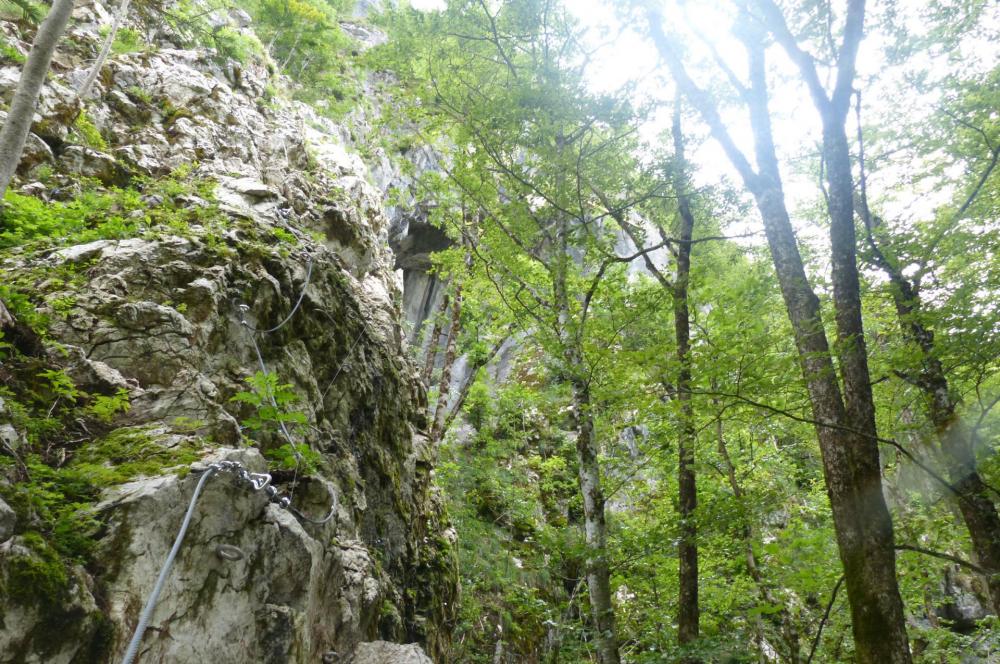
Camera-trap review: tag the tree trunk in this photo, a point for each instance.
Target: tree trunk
(974, 502)
(444, 385)
(869, 539)
(850, 461)
(687, 554)
(956, 443)
(595, 528)
(102, 57)
(463, 392)
(844, 422)
(434, 342)
(22, 107)
(978, 510)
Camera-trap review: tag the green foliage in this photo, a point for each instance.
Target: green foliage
(60, 500)
(479, 404)
(39, 575)
(238, 45)
(27, 11)
(510, 490)
(307, 43)
(139, 94)
(482, 86)
(105, 408)
(127, 40)
(88, 134)
(106, 213)
(8, 52)
(271, 401)
(27, 218)
(300, 456)
(60, 383)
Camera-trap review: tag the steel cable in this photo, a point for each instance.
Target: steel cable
(147, 610)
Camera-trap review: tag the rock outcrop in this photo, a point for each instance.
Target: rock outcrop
(266, 219)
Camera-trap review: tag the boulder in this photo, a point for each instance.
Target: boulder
(382, 652)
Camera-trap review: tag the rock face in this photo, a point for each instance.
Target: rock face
(292, 227)
(380, 652)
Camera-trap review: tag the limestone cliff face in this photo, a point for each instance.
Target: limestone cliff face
(268, 206)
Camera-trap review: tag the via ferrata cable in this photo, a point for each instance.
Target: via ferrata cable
(256, 482)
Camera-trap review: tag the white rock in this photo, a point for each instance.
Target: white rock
(383, 652)
(8, 520)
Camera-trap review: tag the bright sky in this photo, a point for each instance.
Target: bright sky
(626, 55)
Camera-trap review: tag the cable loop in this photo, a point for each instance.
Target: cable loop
(244, 308)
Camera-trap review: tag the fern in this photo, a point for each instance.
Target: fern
(23, 10)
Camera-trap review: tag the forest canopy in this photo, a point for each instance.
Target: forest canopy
(748, 254)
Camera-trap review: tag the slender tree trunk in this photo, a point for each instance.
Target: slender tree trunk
(434, 341)
(291, 51)
(845, 422)
(463, 392)
(956, 444)
(102, 57)
(687, 554)
(22, 108)
(594, 525)
(444, 385)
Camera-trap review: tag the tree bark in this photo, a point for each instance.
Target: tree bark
(594, 525)
(434, 342)
(463, 392)
(102, 57)
(687, 554)
(444, 385)
(22, 107)
(845, 426)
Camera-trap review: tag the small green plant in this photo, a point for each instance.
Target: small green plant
(172, 114)
(64, 304)
(271, 400)
(283, 236)
(39, 575)
(28, 11)
(299, 456)
(43, 173)
(127, 40)
(60, 383)
(8, 52)
(105, 408)
(139, 94)
(88, 133)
